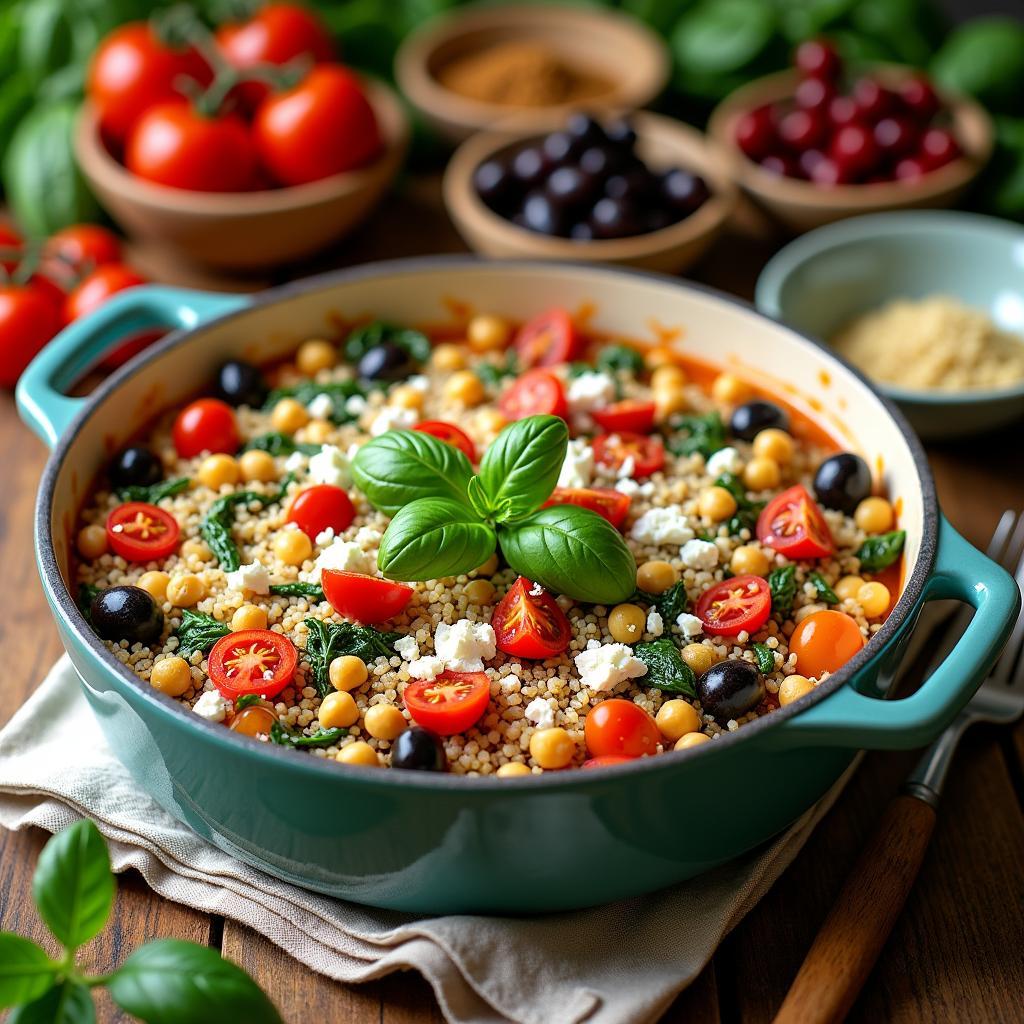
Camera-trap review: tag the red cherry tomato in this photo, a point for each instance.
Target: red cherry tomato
(756, 132)
(323, 126)
(140, 532)
(364, 598)
(802, 129)
(95, 288)
(612, 451)
(86, 246)
(10, 239)
(938, 148)
(825, 642)
(547, 340)
(535, 393)
(449, 704)
(252, 661)
(28, 320)
(792, 524)
(205, 425)
(450, 434)
(317, 508)
(600, 762)
(529, 624)
(629, 415)
(734, 605)
(131, 71)
(818, 58)
(620, 727)
(605, 501)
(919, 97)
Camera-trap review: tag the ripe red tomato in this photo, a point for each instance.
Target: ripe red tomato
(174, 145)
(28, 320)
(449, 704)
(528, 624)
(85, 246)
(729, 607)
(535, 393)
(205, 425)
(605, 501)
(620, 727)
(629, 416)
(825, 642)
(131, 71)
(450, 434)
(10, 239)
(793, 524)
(94, 289)
(547, 340)
(252, 661)
(140, 532)
(612, 451)
(317, 508)
(364, 598)
(323, 126)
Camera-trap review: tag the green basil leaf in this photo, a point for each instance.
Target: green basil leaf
(198, 632)
(153, 493)
(216, 525)
(722, 36)
(338, 391)
(571, 551)
(492, 374)
(26, 972)
(173, 982)
(86, 593)
(666, 669)
(279, 444)
(619, 357)
(520, 468)
(672, 603)
(825, 592)
(434, 537)
(704, 434)
(247, 700)
(984, 58)
(326, 641)
(765, 658)
(311, 590)
(880, 552)
(285, 737)
(69, 1002)
(782, 584)
(73, 885)
(402, 466)
(415, 344)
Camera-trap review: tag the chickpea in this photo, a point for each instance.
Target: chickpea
(155, 583)
(317, 431)
(186, 590)
(626, 623)
(196, 549)
(676, 718)
(774, 444)
(384, 721)
(406, 397)
(480, 591)
(92, 541)
(656, 577)
(288, 416)
(249, 616)
(762, 474)
(716, 503)
(748, 559)
(700, 657)
(691, 739)
(257, 465)
(487, 333)
(667, 402)
(464, 388)
(660, 355)
(448, 356)
(874, 515)
(217, 470)
(793, 688)
(293, 547)
(347, 672)
(552, 748)
(729, 389)
(874, 599)
(848, 587)
(171, 676)
(669, 377)
(315, 355)
(358, 753)
(255, 720)
(338, 711)
(489, 568)
(512, 770)
(490, 421)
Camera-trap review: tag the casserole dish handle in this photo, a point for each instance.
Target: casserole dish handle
(850, 719)
(42, 401)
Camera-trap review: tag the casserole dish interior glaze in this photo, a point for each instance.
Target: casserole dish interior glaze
(435, 843)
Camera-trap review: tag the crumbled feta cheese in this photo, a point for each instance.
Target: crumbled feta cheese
(604, 667)
(295, 463)
(590, 391)
(627, 469)
(367, 536)
(578, 465)
(331, 465)
(427, 668)
(647, 489)
(536, 590)
(253, 577)
(407, 648)
(321, 407)
(665, 525)
(593, 645)
(324, 537)
(690, 624)
(419, 382)
(340, 554)
(725, 460)
(540, 714)
(464, 646)
(627, 486)
(393, 418)
(211, 706)
(355, 405)
(699, 554)
(655, 623)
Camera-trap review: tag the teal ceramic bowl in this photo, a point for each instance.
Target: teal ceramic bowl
(435, 843)
(824, 279)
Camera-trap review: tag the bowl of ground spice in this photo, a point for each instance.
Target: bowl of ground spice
(467, 70)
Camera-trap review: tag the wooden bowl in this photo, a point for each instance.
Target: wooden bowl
(613, 45)
(244, 230)
(800, 205)
(661, 143)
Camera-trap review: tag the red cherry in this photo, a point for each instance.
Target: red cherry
(809, 158)
(755, 132)
(819, 59)
(896, 136)
(938, 147)
(873, 100)
(853, 148)
(919, 97)
(842, 110)
(801, 129)
(814, 94)
(783, 165)
(910, 169)
(828, 172)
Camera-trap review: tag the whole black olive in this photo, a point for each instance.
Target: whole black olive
(570, 186)
(496, 185)
(730, 689)
(616, 218)
(241, 383)
(622, 134)
(684, 191)
(749, 419)
(544, 215)
(530, 166)
(842, 482)
(585, 130)
(385, 361)
(638, 185)
(135, 467)
(418, 749)
(601, 161)
(559, 147)
(581, 232)
(126, 613)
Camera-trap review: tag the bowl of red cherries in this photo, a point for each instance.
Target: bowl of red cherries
(823, 141)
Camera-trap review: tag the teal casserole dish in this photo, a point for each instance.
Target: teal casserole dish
(432, 843)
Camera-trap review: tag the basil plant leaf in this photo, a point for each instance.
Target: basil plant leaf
(666, 669)
(764, 657)
(520, 468)
(402, 466)
(26, 972)
(434, 537)
(73, 885)
(70, 1002)
(173, 982)
(571, 551)
(880, 552)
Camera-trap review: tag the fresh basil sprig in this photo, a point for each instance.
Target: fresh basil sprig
(666, 669)
(311, 590)
(279, 444)
(669, 604)
(198, 632)
(880, 552)
(285, 737)
(704, 434)
(152, 493)
(825, 592)
(764, 656)
(782, 584)
(216, 525)
(327, 641)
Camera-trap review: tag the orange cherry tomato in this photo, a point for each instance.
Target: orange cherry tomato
(364, 598)
(607, 502)
(547, 340)
(528, 624)
(620, 727)
(825, 642)
(793, 524)
(206, 425)
(140, 532)
(600, 762)
(449, 704)
(252, 661)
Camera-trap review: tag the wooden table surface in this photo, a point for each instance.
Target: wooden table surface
(956, 953)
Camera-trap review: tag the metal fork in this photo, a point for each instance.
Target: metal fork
(852, 936)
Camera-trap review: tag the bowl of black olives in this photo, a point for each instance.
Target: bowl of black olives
(646, 191)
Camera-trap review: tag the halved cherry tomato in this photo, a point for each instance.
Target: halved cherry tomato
(629, 415)
(727, 608)
(140, 532)
(449, 704)
(792, 524)
(647, 453)
(252, 661)
(547, 340)
(364, 598)
(96, 287)
(320, 507)
(450, 434)
(529, 624)
(600, 762)
(825, 642)
(605, 501)
(620, 727)
(206, 425)
(536, 393)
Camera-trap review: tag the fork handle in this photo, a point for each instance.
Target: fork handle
(848, 944)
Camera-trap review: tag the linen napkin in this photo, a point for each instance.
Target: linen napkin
(618, 964)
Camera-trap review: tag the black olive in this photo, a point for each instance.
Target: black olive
(616, 218)
(135, 467)
(418, 749)
(559, 147)
(638, 185)
(496, 185)
(621, 134)
(544, 215)
(730, 689)
(530, 166)
(570, 186)
(601, 161)
(241, 383)
(842, 482)
(749, 419)
(385, 361)
(684, 191)
(126, 613)
(585, 129)
(581, 232)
